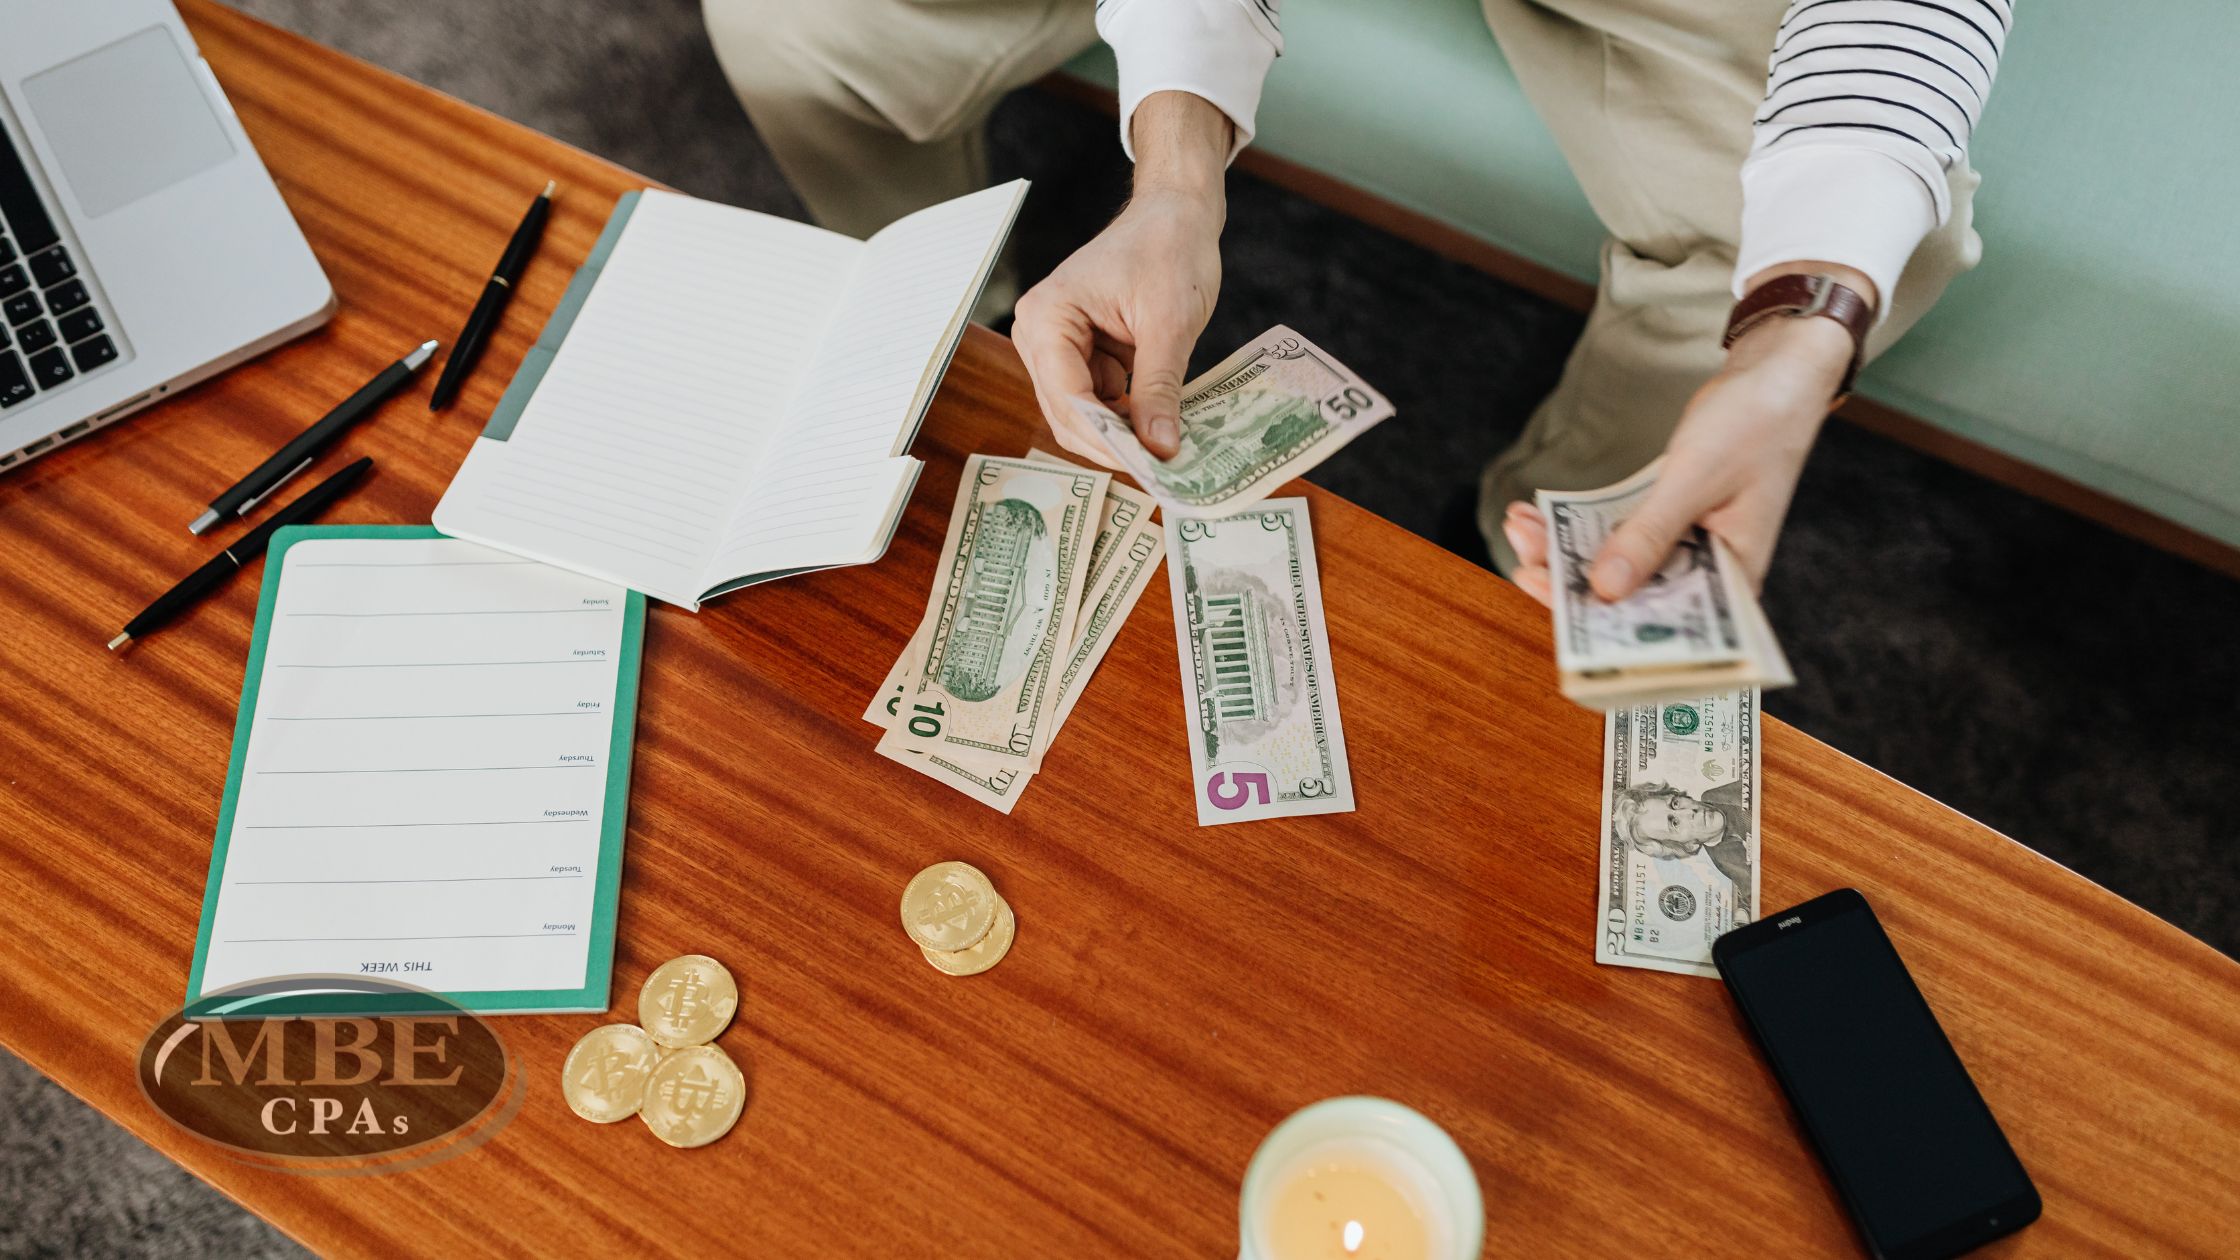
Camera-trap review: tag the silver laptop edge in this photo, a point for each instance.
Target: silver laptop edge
(167, 254)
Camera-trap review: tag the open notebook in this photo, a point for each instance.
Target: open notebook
(724, 397)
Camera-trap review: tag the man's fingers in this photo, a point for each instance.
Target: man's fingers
(1124, 352)
(1078, 438)
(1058, 369)
(1533, 581)
(1064, 356)
(1111, 377)
(1072, 431)
(1527, 532)
(1055, 350)
(1162, 355)
(1638, 548)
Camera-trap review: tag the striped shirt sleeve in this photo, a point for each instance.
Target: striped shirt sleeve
(1218, 49)
(1869, 104)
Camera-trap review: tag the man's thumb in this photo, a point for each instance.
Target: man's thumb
(1155, 393)
(1638, 547)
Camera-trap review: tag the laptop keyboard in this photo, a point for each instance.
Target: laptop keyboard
(50, 331)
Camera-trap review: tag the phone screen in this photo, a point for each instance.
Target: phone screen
(1907, 1138)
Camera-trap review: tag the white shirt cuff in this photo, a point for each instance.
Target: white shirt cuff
(1208, 48)
(1833, 203)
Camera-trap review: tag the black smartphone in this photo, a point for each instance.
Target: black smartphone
(1910, 1143)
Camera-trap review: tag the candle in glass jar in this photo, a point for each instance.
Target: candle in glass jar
(1359, 1178)
(1349, 1201)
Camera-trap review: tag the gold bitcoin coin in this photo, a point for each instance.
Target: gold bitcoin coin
(693, 1096)
(604, 1079)
(989, 952)
(687, 1001)
(949, 906)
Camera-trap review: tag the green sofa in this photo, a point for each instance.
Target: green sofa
(2100, 337)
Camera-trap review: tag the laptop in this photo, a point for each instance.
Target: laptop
(143, 246)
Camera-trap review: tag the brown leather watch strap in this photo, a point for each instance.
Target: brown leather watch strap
(1802, 297)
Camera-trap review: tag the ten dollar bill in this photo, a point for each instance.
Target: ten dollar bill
(1001, 614)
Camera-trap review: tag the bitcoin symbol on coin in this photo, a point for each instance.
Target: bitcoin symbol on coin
(949, 906)
(687, 1001)
(694, 1097)
(604, 1079)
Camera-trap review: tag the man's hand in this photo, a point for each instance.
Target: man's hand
(1732, 463)
(1117, 320)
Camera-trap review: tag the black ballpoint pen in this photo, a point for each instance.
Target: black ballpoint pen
(491, 307)
(244, 549)
(304, 447)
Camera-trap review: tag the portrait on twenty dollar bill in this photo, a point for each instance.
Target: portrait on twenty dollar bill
(1679, 830)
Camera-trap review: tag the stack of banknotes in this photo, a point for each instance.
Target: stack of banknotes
(1693, 627)
(1041, 565)
(1044, 560)
(1677, 666)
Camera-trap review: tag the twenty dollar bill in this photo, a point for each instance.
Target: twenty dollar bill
(1679, 830)
(1266, 414)
(1265, 739)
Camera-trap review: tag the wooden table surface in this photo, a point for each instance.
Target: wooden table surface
(1174, 991)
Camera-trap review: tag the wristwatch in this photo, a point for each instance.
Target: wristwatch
(1803, 297)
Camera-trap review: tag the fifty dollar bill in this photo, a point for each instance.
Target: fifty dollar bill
(1265, 739)
(1679, 830)
(1266, 414)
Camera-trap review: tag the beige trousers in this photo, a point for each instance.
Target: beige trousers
(874, 108)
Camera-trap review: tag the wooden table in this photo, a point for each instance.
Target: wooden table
(1174, 992)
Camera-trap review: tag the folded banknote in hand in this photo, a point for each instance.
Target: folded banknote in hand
(1693, 627)
(1262, 416)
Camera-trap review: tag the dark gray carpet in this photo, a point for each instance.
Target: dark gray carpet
(73, 1184)
(2033, 670)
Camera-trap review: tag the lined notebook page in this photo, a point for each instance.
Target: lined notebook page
(828, 480)
(630, 460)
(425, 779)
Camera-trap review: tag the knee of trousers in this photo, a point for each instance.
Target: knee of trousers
(787, 56)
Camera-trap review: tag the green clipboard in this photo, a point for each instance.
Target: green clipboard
(599, 940)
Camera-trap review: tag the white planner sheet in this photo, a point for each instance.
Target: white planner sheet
(425, 782)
